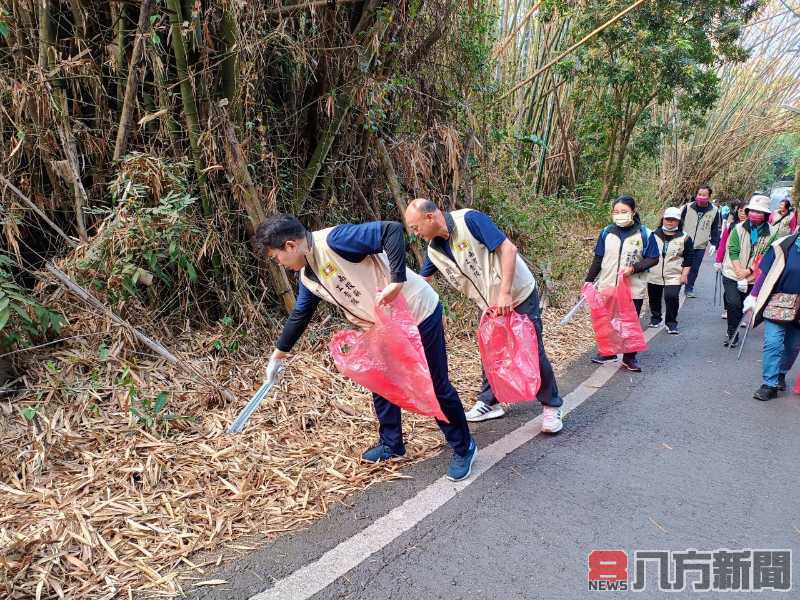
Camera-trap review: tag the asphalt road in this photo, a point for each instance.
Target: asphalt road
(678, 457)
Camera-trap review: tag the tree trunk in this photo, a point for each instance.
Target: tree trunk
(236, 166)
(188, 100)
(397, 192)
(130, 87)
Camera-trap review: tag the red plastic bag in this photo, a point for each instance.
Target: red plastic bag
(617, 329)
(389, 360)
(510, 356)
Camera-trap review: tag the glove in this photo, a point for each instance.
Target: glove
(275, 367)
(749, 304)
(742, 285)
(717, 266)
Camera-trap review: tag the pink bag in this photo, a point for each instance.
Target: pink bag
(389, 360)
(510, 356)
(616, 325)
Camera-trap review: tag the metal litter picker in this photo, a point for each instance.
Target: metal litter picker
(243, 417)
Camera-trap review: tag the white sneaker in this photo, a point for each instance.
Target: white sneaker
(483, 412)
(551, 423)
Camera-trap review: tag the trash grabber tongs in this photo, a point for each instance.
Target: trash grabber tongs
(243, 417)
(568, 317)
(744, 337)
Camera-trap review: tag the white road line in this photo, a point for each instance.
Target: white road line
(316, 576)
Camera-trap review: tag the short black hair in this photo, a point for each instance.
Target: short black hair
(706, 187)
(273, 233)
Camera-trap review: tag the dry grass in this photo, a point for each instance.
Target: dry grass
(94, 506)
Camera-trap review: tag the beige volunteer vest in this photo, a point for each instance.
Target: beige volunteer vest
(699, 229)
(620, 254)
(746, 255)
(669, 268)
(781, 247)
(476, 271)
(781, 227)
(353, 286)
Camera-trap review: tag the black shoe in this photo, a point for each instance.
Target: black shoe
(655, 323)
(782, 382)
(765, 393)
(601, 360)
(632, 364)
(731, 343)
(672, 329)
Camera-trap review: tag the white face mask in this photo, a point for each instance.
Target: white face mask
(622, 219)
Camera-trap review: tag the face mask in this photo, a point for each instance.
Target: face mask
(622, 219)
(670, 229)
(756, 217)
(701, 201)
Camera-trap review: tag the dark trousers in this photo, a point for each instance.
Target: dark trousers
(671, 295)
(548, 391)
(456, 432)
(733, 300)
(638, 304)
(694, 271)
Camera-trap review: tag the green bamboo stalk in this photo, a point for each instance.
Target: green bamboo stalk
(188, 100)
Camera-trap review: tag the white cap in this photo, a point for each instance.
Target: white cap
(672, 213)
(759, 203)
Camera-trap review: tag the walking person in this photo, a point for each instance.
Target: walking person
(700, 221)
(477, 259)
(736, 215)
(672, 271)
(774, 301)
(624, 248)
(357, 268)
(783, 221)
(748, 240)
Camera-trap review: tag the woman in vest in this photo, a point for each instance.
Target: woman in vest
(700, 221)
(346, 266)
(477, 259)
(783, 221)
(780, 274)
(736, 215)
(625, 248)
(665, 279)
(747, 242)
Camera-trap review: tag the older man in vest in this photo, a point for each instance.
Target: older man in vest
(700, 221)
(357, 267)
(478, 260)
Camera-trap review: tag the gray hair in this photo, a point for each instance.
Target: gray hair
(425, 206)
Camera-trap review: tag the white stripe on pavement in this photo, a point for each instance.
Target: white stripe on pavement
(316, 576)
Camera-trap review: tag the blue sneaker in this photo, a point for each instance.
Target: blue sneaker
(461, 466)
(380, 453)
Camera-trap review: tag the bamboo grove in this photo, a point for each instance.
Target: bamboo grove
(153, 135)
(219, 113)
